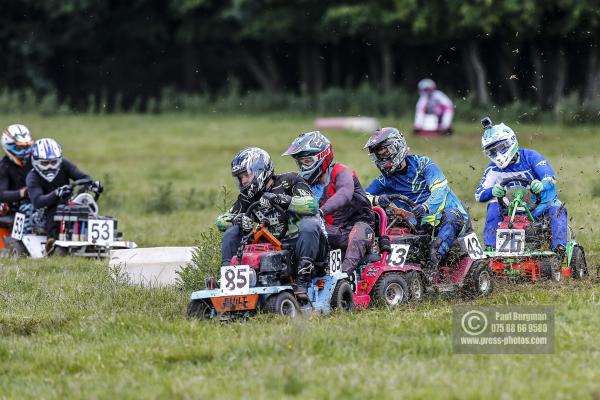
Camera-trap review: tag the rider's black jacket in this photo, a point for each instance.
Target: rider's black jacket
(288, 183)
(12, 179)
(43, 193)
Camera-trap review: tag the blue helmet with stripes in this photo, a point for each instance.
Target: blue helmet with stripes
(46, 158)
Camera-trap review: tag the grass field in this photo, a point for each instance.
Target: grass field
(68, 330)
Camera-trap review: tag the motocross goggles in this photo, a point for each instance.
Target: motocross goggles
(497, 148)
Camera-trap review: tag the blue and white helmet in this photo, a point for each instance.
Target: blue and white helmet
(257, 164)
(46, 158)
(499, 143)
(16, 143)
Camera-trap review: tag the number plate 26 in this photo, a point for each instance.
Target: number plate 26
(510, 242)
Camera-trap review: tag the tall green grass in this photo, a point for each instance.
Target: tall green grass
(69, 329)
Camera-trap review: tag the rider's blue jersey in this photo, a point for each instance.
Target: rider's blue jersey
(531, 165)
(424, 183)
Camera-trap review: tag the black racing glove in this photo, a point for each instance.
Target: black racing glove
(97, 187)
(245, 223)
(383, 201)
(419, 210)
(63, 192)
(268, 199)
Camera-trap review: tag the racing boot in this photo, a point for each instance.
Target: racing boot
(431, 270)
(305, 271)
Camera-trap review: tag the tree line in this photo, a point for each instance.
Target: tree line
(492, 51)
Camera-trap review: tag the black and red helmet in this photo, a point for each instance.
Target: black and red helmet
(313, 154)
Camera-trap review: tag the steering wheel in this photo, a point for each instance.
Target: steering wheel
(510, 194)
(402, 199)
(402, 214)
(85, 185)
(282, 217)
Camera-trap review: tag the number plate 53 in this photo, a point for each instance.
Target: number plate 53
(101, 231)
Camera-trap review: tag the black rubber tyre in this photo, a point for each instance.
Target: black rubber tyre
(60, 251)
(16, 249)
(198, 309)
(480, 282)
(416, 288)
(579, 268)
(551, 269)
(390, 290)
(283, 303)
(343, 297)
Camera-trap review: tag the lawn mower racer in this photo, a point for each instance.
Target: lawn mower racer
(520, 188)
(272, 227)
(253, 171)
(417, 178)
(499, 143)
(342, 200)
(48, 183)
(14, 167)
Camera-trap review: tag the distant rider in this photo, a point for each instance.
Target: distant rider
(499, 143)
(253, 172)
(14, 167)
(418, 178)
(342, 200)
(433, 102)
(48, 183)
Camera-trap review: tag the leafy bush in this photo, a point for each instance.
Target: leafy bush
(206, 261)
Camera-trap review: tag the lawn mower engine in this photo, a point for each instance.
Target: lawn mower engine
(270, 267)
(74, 219)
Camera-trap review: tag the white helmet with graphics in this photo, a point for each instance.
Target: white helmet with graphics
(499, 143)
(16, 143)
(46, 158)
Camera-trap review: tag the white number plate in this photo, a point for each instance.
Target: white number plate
(335, 261)
(18, 225)
(473, 247)
(510, 242)
(235, 279)
(101, 231)
(398, 255)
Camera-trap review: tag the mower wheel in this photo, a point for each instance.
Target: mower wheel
(283, 303)
(480, 280)
(343, 298)
(416, 289)
(60, 251)
(578, 264)
(391, 290)
(552, 269)
(16, 249)
(198, 309)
